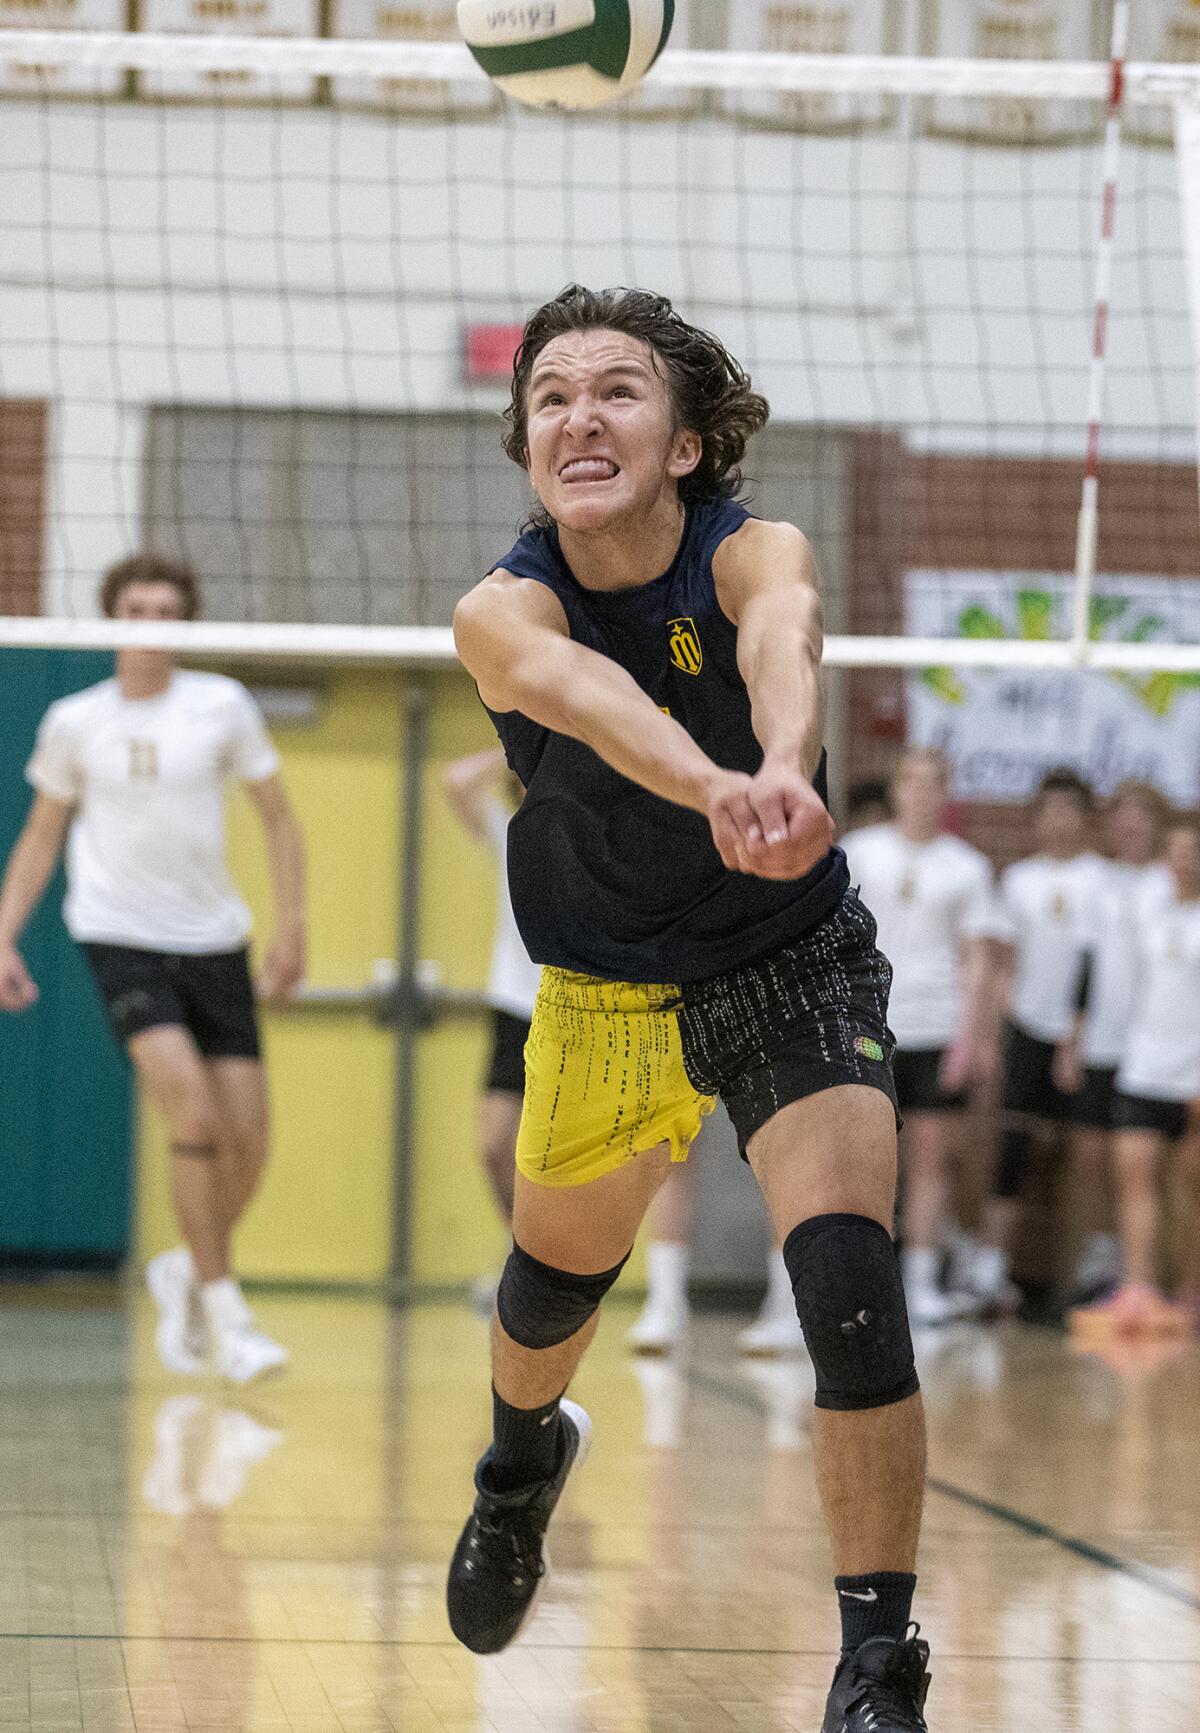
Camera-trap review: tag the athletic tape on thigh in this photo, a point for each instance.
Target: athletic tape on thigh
(195, 1151)
(850, 1301)
(539, 1307)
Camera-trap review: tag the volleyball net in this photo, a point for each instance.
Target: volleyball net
(259, 300)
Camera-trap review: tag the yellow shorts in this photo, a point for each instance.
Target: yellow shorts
(604, 1079)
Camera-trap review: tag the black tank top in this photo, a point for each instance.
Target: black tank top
(606, 878)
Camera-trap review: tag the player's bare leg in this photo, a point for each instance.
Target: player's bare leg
(175, 1080)
(569, 1244)
(240, 1088)
(663, 1322)
(499, 1120)
(870, 1463)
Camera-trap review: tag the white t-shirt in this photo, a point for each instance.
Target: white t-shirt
(1162, 1053)
(1043, 909)
(513, 979)
(1111, 935)
(147, 776)
(928, 899)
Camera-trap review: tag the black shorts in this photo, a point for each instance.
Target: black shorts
(1147, 1113)
(1095, 1104)
(918, 1088)
(211, 996)
(1029, 1086)
(809, 1017)
(506, 1067)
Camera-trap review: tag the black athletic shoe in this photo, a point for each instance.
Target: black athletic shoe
(499, 1564)
(880, 1687)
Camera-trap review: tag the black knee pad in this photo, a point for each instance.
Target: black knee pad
(540, 1307)
(1012, 1167)
(850, 1302)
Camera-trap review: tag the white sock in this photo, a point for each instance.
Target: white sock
(666, 1270)
(223, 1304)
(781, 1301)
(920, 1267)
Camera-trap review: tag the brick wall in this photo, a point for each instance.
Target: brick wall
(912, 509)
(23, 428)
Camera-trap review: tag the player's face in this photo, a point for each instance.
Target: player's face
(918, 795)
(1183, 858)
(151, 601)
(603, 445)
(1132, 831)
(1060, 823)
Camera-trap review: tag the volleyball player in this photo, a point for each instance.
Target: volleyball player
(1159, 1076)
(472, 786)
(1087, 1061)
(1040, 920)
(650, 655)
(931, 894)
(131, 773)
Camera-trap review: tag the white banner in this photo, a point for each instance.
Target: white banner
(1004, 728)
(230, 18)
(57, 80)
(814, 27)
(407, 21)
(1012, 30)
(1160, 30)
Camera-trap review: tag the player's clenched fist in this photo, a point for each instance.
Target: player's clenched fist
(18, 989)
(773, 825)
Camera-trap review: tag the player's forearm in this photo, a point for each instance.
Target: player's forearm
(779, 652)
(980, 1019)
(629, 732)
(30, 867)
(286, 860)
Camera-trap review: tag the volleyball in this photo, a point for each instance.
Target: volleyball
(566, 53)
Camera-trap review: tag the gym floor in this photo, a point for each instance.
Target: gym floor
(178, 1555)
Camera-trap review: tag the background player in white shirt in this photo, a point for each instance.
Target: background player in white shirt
(1158, 1080)
(1087, 1061)
(1040, 914)
(131, 773)
(931, 896)
(472, 787)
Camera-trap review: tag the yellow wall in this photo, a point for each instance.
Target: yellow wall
(325, 1211)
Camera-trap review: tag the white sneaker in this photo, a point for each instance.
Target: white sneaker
(245, 1352)
(771, 1334)
(661, 1327)
(181, 1346)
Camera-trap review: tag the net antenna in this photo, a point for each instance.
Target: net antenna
(1087, 537)
(247, 283)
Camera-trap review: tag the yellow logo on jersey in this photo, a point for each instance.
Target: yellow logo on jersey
(684, 645)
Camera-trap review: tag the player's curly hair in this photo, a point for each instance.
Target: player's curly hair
(711, 393)
(150, 569)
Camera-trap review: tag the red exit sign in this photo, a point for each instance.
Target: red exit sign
(491, 349)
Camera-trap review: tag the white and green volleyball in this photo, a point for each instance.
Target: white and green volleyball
(566, 53)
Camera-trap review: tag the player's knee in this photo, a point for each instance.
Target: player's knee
(193, 1120)
(539, 1307)
(850, 1302)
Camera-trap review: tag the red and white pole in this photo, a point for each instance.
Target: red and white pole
(1087, 527)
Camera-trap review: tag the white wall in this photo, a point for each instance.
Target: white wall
(325, 259)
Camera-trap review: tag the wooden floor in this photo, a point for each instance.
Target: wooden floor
(174, 1556)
